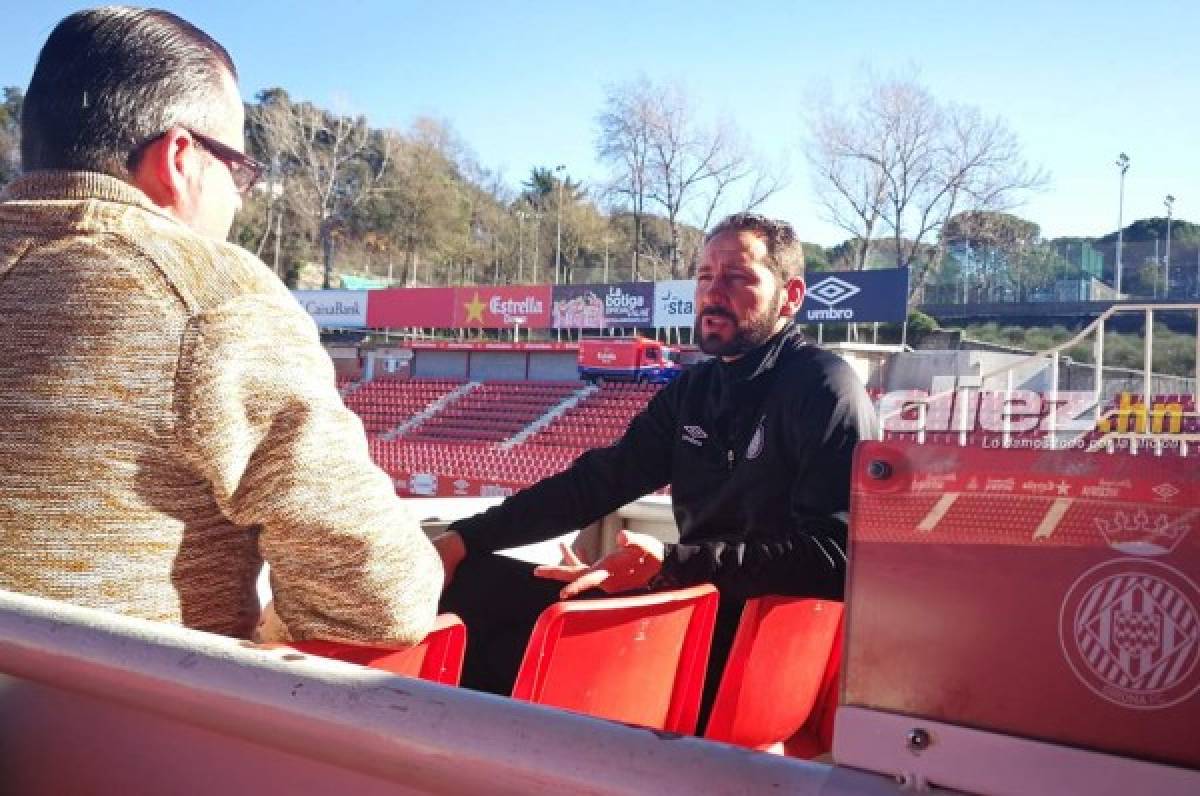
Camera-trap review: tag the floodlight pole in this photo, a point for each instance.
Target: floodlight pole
(559, 169)
(520, 247)
(1170, 203)
(1123, 165)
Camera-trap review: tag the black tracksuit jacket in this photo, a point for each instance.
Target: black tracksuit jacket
(757, 453)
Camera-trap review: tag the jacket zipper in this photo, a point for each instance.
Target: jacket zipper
(729, 458)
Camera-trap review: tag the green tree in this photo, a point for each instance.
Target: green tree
(815, 257)
(422, 195)
(542, 186)
(1036, 268)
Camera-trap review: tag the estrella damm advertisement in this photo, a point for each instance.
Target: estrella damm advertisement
(482, 307)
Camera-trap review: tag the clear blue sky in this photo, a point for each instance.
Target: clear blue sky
(521, 83)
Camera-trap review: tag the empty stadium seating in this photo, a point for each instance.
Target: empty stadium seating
(520, 465)
(462, 437)
(384, 405)
(777, 670)
(492, 412)
(597, 420)
(438, 658)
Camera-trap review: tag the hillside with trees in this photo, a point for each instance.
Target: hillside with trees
(346, 202)
(913, 181)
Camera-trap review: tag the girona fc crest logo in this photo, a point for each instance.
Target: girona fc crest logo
(1130, 631)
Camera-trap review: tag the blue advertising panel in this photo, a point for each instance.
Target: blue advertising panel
(856, 296)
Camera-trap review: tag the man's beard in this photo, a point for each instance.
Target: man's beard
(748, 334)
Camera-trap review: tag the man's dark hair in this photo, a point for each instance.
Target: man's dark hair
(785, 253)
(110, 79)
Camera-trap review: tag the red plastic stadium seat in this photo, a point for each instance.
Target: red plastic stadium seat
(816, 736)
(639, 660)
(439, 658)
(777, 666)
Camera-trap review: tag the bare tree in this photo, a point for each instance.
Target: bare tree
(735, 169)
(844, 155)
(665, 154)
(334, 162)
(899, 161)
(624, 144)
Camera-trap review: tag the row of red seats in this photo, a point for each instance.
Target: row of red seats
(385, 405)
(778, 691)
(576, 441)
(597, 420)
(453, 458)
(493, 407)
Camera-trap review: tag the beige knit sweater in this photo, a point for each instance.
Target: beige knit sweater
(168, 419)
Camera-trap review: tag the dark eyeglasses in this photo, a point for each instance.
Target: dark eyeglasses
(245, 170)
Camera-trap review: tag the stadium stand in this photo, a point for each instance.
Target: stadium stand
(455, 429)
(492, 412)
(521, 465)
(598, 419)
(513, 433)
(384, 405)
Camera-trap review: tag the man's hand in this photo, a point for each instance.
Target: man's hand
(637, 559)
(450, 547)
(270, 627)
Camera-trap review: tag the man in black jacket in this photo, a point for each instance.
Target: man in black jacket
(756, 445)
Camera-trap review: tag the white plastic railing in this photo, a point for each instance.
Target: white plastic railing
(1052, 356)
(91, 702)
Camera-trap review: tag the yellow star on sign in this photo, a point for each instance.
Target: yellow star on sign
(474, 309)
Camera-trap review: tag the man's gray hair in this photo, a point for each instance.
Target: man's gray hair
(109, 80)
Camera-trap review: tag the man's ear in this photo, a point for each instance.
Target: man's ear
(794, 297)
(169, 172)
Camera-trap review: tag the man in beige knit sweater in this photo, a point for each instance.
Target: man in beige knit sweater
(168, 418)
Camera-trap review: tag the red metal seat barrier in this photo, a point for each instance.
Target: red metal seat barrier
(639, 660)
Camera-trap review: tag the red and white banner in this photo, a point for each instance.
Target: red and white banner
(448, 345)
(427, 484)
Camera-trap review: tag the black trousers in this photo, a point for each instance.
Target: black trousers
(499, 599)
